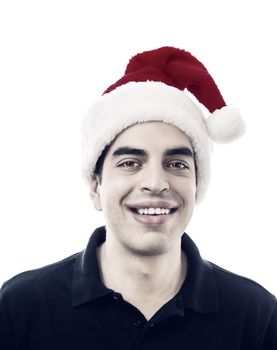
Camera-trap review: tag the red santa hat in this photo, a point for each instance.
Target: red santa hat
(154, 88)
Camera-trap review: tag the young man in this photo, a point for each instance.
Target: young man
(141, 282)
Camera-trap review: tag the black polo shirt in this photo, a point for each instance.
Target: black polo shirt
(65, 306)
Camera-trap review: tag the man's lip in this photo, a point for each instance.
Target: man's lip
(149, 204)
(152, 220)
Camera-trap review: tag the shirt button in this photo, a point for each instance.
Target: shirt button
(152, 325)
(116, 296)
(138, 323)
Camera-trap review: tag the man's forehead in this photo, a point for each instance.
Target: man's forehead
(152, 134)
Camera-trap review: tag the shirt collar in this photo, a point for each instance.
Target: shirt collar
(199, 291)
(86, 283)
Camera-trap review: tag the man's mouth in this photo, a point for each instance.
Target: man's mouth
(153, 211)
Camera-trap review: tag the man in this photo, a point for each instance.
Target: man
(141, 282)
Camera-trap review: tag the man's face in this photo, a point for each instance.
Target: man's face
(148, 186)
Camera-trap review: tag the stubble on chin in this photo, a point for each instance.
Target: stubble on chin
(148, 244)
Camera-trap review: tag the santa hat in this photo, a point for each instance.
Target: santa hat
(153, 89)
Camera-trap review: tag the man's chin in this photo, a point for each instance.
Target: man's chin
(153, 243)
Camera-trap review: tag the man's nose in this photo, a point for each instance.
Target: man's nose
(154, 179)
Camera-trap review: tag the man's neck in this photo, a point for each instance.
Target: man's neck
(147, 282)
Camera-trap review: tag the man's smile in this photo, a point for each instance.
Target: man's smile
(160, 207)
(152, 213)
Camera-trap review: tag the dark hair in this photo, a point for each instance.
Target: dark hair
(100, 162)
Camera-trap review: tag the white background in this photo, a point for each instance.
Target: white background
(58, 56)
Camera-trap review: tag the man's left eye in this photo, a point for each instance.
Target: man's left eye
(178, 165)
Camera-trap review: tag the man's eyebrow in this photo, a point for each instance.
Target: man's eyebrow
(184, 151)
(129, 151)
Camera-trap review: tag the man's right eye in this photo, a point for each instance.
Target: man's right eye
(129, 164)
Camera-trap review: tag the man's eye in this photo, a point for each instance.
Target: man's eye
(178, 165)
(129, 164)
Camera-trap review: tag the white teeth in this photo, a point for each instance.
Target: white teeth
(152, 211)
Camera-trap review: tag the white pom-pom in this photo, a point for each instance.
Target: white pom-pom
(225, 125)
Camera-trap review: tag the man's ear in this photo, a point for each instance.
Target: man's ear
(95, 193)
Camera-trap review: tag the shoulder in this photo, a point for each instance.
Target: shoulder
(29, 300)
(48, 280)
(247, 306)
(241, 291)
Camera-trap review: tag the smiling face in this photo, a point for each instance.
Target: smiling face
(147, 189)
